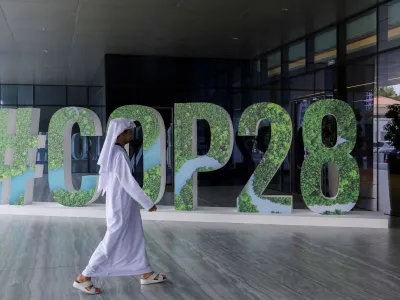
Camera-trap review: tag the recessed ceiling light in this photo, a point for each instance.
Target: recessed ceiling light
(235, 38)
(285, 9)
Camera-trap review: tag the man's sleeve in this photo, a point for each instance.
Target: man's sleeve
(130, 185)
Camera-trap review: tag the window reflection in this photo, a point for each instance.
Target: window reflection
(297, 54)
(361, 33)
(325, 48)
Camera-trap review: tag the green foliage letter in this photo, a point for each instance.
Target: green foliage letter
(18, 146)
(154, 146)
(187, 162)
(339, 154)
(251, 199)
(59, 151)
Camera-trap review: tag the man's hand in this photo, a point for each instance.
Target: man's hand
(154, 208)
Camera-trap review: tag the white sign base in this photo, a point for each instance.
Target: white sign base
(299, 217)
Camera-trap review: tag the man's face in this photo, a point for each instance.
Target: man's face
(127, 136)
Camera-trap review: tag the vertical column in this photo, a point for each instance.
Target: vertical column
(341, 92)
(285, 98)
(285, 84)
(310, 53)
(382, 44)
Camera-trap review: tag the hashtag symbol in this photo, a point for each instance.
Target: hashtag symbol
(19, 142)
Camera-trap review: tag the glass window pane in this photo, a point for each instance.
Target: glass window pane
(25, 95)
(274, 59)
(9, 95)
(361, 74)
(393, 20)
(305, 83)
(325, 46)
(389, 30)
(361, 33)
(394, 14)
(77, 96)
(96, 96)
(79, 152)
(320, 80)
(274, 64)
(95, 143)
(297, 53)
(361, 90)
(50, 95)
(16, 94)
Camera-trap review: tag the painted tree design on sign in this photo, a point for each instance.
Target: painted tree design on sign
(187, 162)
(339, 154)
(59, 155)
(251, 199)
(23, 142)
(154, 146)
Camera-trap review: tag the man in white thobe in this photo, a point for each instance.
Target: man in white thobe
(122, 252)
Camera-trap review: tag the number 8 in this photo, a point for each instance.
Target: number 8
(319, 154)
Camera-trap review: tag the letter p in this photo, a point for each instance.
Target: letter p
(186, 161)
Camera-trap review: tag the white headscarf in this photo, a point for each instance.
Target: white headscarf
(115, 128)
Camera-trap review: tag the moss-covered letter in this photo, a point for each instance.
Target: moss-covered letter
(319, 154)
(18, 146)
(187, 162)
(154, 146)
(59, 150)
(251, 199)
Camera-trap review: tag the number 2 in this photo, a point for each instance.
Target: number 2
(251, 198)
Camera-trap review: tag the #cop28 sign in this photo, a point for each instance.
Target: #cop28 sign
(19, 142)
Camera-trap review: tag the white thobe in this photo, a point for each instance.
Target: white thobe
(122, 252)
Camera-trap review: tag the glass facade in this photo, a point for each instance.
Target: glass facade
(356, 61)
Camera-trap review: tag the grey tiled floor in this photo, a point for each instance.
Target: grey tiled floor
(40, 257)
